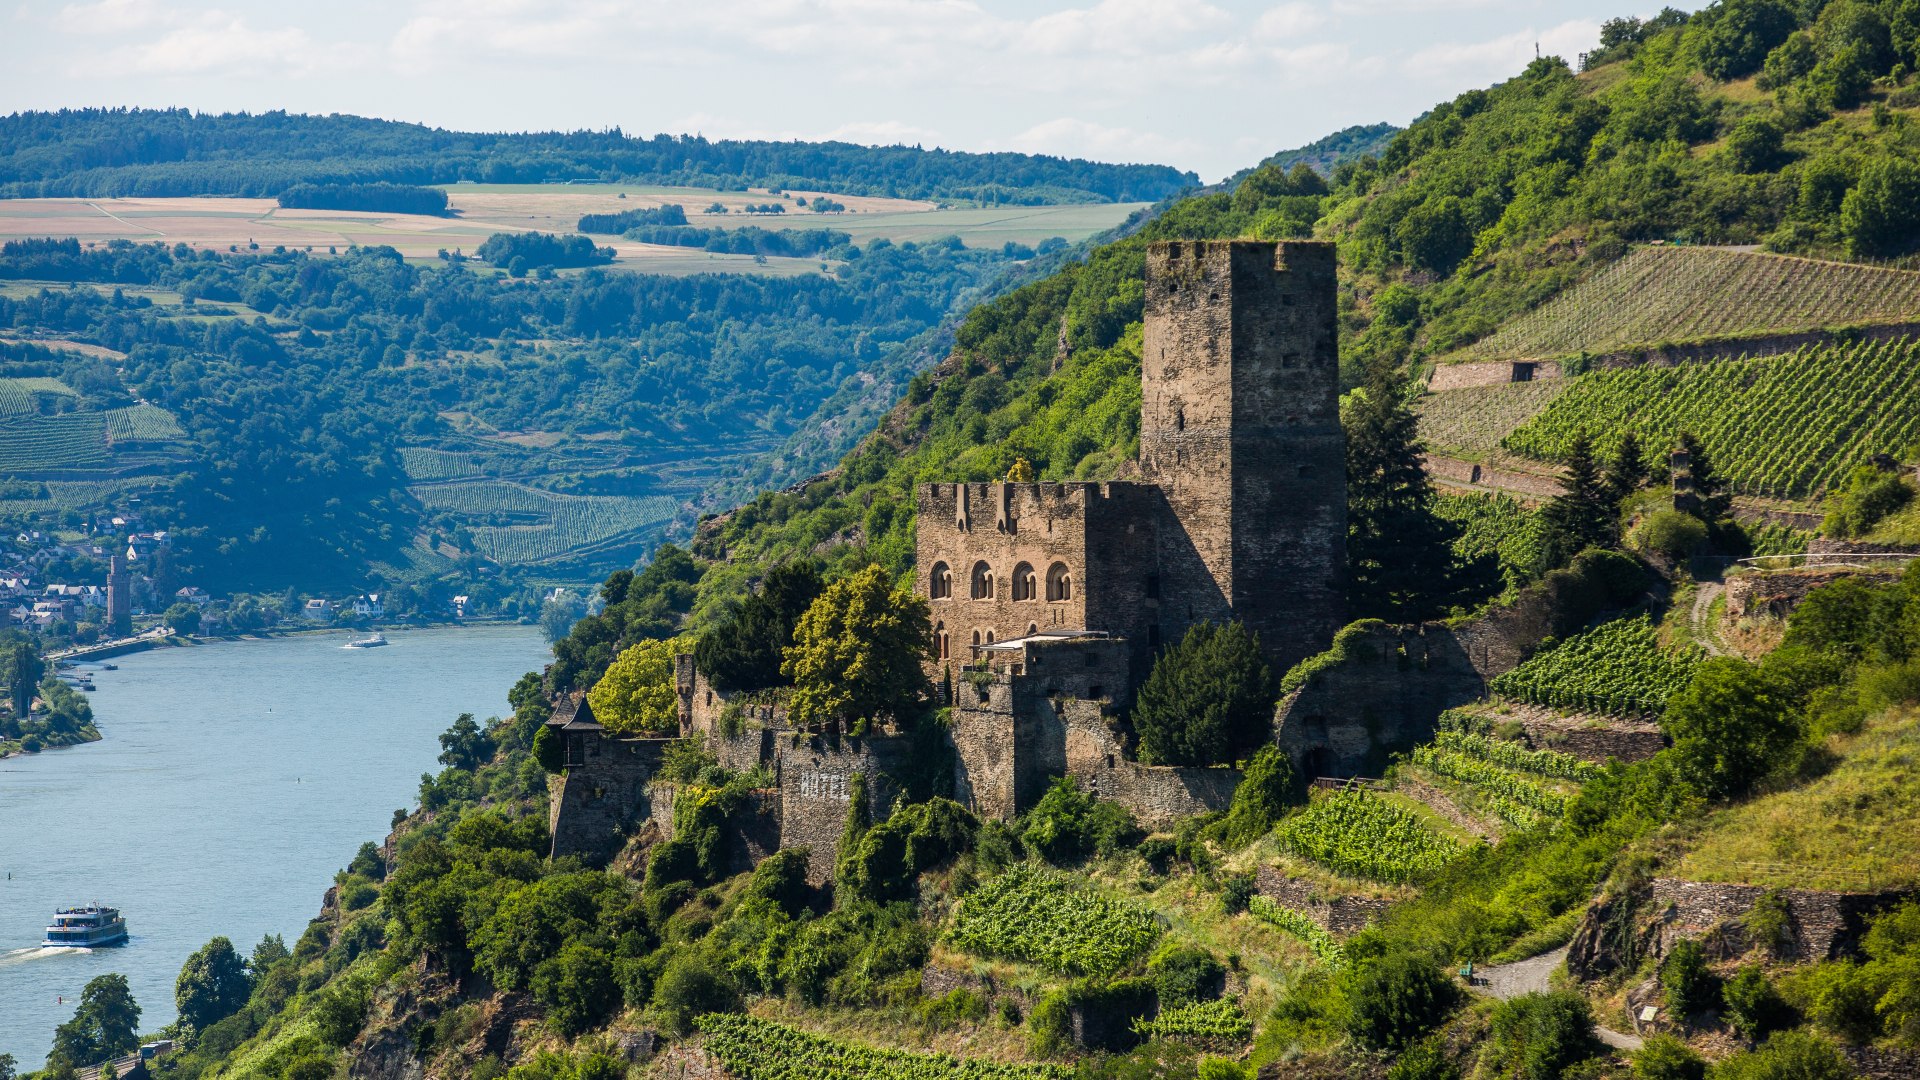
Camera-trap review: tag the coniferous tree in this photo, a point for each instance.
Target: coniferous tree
(744, 651)
(1583, 515)
(1627, 472)
(1708, 488)
(1208, 699)
(1400, 562)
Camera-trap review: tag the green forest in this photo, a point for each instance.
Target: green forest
(99, 153)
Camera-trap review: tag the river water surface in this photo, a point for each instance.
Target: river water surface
(234, 779)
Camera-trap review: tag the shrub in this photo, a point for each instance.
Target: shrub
(1671, 533)
(1790, 1055)
(1207, 700)
(1425, 1061)
(1731, 726)
(1185, 973)
(1754, 1007)
(1264, 794)
(577, 987)
(1068, 825)
(1691, 987)
(1217, 1068)
(689, 987)
(1664, 1057)
(1395, 1000)
(1539, 1036)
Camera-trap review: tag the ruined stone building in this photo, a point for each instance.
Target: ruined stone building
(1049, 600)
(1240, 514)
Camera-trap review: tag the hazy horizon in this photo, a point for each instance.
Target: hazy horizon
(1207, 87)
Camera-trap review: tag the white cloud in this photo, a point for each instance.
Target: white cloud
(109, 16)
(221, 44)
(1288, 21)
(1502, 57)
(1071, 137)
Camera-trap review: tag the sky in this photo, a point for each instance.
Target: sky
(1206, 86)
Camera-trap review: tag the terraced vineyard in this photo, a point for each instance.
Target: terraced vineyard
(17, 395)
(1469, 423)
(515, 523)
(1032, 915)
(1778, 426)
(1617, 667)
(65, 441)
(426, 463)
(1493, 525)
(1660, 294)
(755, 1049)
(1323, 944)
(143, 423)
(1217, 1023)
(1357, 833)
(1511, 755)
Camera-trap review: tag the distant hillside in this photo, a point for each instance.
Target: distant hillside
(1347, 144)
(154, 152)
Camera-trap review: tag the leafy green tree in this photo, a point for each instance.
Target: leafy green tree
(1756, 144)
(1734, 37)
(1583, 515)
(1395, 999)
(1207, 700)
(212, 986)
(744, 650)
(1069, 825)
(182, 618)
(690, 986)
(465, 745)
(106, 1024)
(548, 749)
(1790, 62)
(1400, 562)
(1881, 215)
(1731, 726)
(1790, 1055)
(577, 988)
(340, 1011)
(1435, 235)
(857, 653)
(636, 695)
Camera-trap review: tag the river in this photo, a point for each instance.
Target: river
(233, 780)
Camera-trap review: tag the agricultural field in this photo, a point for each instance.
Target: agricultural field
(1216, 1023)
(142, 423)
(516, 523)
(481, 210)
(32, 443)
(1493, 526)
(1618, 668)
(755, 1049)
(1363, 835)
(1469, 423)
(1782, 427)
(1323, 944)
(1666, 295)
(1043, 919)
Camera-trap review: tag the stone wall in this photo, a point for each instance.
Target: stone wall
(591, 806)
(1508, 481)
(1491, 373)
(1338, 914)
(1775, 594)
(816, 783)
(998, 559)
(703, 708)
(1156, 795)
(1824, 925)
(1382, 687)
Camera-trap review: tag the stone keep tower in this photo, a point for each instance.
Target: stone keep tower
(119, 598)
(1240, 431)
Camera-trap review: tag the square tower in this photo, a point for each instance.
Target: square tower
(1240, 430)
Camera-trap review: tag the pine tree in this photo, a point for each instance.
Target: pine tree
(1400, 562)
(1208, 700)
(1714, 500)
(1583, 515)
(1627, 472)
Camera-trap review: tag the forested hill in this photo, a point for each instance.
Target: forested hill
(170, 152)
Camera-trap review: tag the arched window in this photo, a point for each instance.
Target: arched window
(940, 582)
(1032, 629)
(1025, 584)
(989, 637)
(1059, 582)
(982, 581)
(976, 639)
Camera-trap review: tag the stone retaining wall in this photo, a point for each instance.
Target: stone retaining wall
(1336, 914)
(1823, 925)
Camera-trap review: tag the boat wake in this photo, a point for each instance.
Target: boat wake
(39, 952)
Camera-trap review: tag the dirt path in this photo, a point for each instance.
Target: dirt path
(1530, 977)
(1701, 618)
